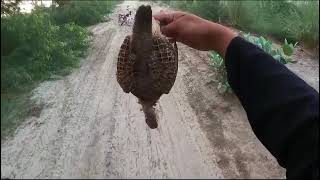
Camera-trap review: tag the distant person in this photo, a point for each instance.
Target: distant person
(282, 109)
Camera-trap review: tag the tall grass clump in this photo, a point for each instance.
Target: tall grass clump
(293, 20)
(82, 13)
(304, 26)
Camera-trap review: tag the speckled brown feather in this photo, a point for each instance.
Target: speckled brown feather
(147, 64)
(164, 69)
(125, 66)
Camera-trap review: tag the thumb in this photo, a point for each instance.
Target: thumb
(169, 30)
(164, 18)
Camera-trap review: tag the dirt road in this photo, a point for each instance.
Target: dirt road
(89, 128)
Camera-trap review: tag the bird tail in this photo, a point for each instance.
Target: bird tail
(143, 20)
(150, 115)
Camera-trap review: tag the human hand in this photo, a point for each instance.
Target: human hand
(195, 32)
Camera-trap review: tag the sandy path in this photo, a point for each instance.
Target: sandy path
(89, 128)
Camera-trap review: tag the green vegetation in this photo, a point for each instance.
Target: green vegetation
(288, 21)
(40, 45)
(82, 13)
(33, 48)
(293, 20)
(217, 62)
(281, 54)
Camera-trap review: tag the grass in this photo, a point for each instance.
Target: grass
(287, 21)
(13, 109)
(35, 47)
(293, 20)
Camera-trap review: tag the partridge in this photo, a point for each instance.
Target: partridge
(147, 63)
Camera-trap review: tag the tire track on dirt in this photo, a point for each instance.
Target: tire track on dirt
(223, 120)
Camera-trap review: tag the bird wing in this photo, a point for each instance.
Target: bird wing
(125, 63)
(163, 64)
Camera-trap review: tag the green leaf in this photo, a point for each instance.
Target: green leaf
(261, 41)
(291, 60)
(287, 49)
(273, 52)
(277, 57)
(284, 60)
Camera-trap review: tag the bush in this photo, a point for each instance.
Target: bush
(280, 54)
(36, 46)
(82, 13)
(293, 20)
(217, 62)
(33, 48)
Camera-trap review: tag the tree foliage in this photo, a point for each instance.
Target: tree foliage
(9, 7)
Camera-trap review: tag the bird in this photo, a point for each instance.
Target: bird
(147, 63)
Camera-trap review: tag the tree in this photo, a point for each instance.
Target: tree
(9, 7)
(61, 2)
(36, 2)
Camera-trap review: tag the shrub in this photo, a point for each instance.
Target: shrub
(293, 20)
(33, 48)
(36, 46)
(280, 54)
(218, 65)
(82, 13)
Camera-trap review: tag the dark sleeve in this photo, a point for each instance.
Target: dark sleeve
(282, 109)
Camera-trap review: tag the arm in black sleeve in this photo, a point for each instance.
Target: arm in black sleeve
(282, 109)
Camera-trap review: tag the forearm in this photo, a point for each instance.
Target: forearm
(219, 37)
(282, 109)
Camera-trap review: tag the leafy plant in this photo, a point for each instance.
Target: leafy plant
(280, 54)
(34, 48)
(288, 48)
(9, 7)
(217, 62)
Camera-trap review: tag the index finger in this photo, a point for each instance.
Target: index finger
(164, 18)
(167, 18)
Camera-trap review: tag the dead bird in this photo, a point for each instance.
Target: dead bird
(147, 63)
